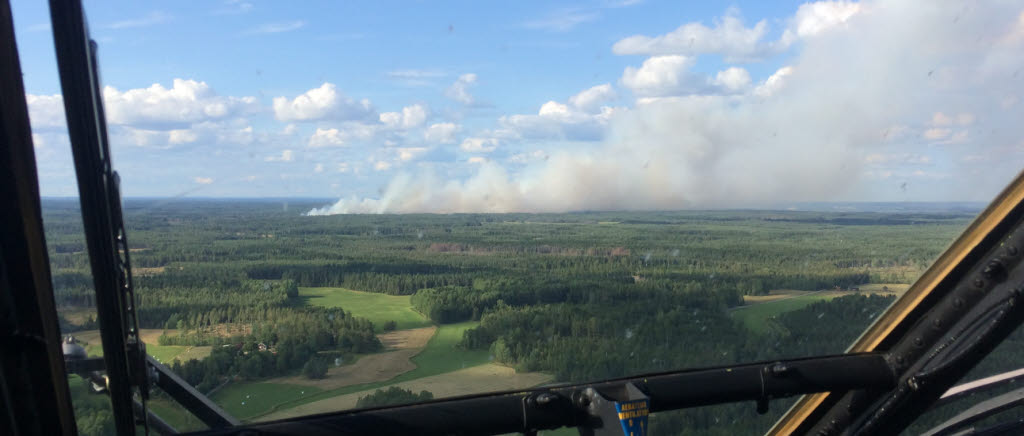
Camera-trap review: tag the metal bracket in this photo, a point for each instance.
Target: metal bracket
(624, 410)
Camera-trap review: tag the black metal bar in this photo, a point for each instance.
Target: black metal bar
(80, 366)
(97, 188)
(207, 411)
(34, 395)
(553, 407)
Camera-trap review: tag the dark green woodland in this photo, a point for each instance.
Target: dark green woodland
(579, 296)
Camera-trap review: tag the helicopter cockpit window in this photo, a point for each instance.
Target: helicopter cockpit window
(334, 206)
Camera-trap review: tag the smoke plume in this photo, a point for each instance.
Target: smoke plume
(939, 78)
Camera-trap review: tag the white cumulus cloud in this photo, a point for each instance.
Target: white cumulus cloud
(730, 37)
(590, 100)
(562, 121)
(814, 18)
(409, 117)
(285, 156)
(443, 133)
(459, 91)
(733, 79)
(157, 107)
(323, 103)
(479, 145)
(45, 111)
(659, 76)
(326, 138)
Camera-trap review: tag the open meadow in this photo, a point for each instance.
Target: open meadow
(376, 307)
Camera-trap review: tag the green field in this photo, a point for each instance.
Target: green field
(378, 308)
(165, 353)
(885, 287)
(756, 317)
(175, 415)
(258, 398)
(162, 353)
(441, 355)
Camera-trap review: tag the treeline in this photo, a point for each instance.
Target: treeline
(203, 306)
(281, 343)
(391, 277)
(455, 304)
(392, 396)
(322, 327)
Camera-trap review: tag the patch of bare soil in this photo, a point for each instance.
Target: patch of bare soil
(143, 271)
(149, 336)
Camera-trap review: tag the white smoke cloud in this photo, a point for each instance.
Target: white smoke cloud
(803, 134)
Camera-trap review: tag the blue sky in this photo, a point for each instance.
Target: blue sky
(481, 106)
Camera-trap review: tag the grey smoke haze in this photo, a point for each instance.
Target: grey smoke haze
(898, 80)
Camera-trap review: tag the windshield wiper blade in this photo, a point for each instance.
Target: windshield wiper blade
(978, 386)
(979, 412)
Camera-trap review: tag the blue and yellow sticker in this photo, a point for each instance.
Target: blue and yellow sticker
(633, 417)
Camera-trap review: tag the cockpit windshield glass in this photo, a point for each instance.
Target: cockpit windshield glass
(339, 205)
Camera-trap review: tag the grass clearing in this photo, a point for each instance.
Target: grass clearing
(378, 308)
(883, 288)
(246, 400)
(756, 313)
(756, 317)
(440, 356)
(166, 354)
(175, 415)
(401, 346)
(481, 378)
